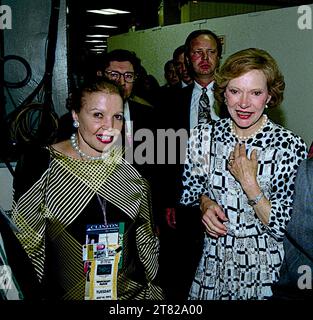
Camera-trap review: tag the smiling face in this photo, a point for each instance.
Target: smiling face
(204, 57)
(246, 97)
(100, 121)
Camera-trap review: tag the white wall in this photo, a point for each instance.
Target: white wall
(274, 30)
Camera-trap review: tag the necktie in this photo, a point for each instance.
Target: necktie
(204, 108)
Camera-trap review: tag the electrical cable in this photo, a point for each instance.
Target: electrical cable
(37, 122)
(27, 67)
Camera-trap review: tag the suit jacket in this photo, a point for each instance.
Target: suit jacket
(174, 112)
(298, 242)
(183, 107)
(141, 115)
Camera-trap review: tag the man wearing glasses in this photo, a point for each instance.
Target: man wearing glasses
(123, 67)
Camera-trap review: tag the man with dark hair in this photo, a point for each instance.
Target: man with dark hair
(123, 67)
(117, 61)
(170, 74)
(180, 66)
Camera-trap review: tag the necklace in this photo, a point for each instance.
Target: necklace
(75, 146)
(245, 138)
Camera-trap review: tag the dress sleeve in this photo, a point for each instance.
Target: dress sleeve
(196, 168)
(282, 186)
(148, 247)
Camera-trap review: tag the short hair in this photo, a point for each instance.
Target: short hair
(178, 51)
(91, 86)
(194, 35)
(120, 55)
(247, 60)
(197, 33)
(168, 64)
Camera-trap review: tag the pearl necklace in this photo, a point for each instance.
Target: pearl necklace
(83, 154)
(245, 138)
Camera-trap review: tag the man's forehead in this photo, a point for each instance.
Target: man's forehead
(121, 64)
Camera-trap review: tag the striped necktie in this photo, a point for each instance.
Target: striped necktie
(204, 108)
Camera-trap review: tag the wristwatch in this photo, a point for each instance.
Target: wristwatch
(254, 201)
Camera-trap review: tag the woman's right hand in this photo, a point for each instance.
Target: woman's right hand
(212, 217)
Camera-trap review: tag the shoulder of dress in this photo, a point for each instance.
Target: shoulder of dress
(288, 136)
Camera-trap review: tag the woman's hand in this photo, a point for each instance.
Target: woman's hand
(244, 171)
(212, 217)
(242, 168)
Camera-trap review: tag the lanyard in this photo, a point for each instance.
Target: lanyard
(103, 205)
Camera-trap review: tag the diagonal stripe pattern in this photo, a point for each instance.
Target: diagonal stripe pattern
(71, 186)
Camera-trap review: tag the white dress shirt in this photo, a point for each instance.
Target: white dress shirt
(128, 125)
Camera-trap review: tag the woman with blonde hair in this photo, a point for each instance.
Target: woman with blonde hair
(241, 172)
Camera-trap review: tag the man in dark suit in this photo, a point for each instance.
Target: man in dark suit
(202, 53)
(123, 67)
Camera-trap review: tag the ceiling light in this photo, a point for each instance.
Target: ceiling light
(100, 12)
(97, 35)
(101, 46)
(104, 26)
(108, 11)
(115, 11)
(101, 41)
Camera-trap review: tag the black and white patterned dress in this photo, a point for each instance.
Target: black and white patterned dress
(244, 263)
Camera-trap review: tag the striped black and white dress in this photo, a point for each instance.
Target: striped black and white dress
(56, 196)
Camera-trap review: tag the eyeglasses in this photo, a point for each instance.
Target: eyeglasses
(115, 76)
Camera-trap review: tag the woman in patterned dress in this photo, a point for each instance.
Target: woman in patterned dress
(241, 172)
(62, 188)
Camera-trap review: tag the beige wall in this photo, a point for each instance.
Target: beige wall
(204, 10)
(274, 30)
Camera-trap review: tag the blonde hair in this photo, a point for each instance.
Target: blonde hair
(244, 61)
